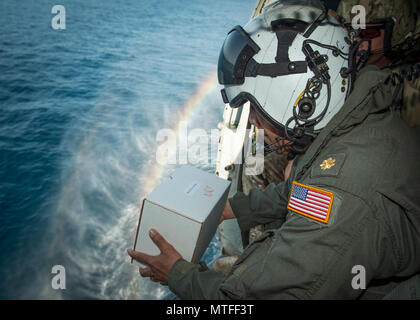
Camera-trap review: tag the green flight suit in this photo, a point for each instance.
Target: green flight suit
(374, 221)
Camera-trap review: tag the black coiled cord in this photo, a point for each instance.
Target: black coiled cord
(353, 66)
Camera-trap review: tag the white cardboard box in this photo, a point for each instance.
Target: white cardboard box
(185, 209)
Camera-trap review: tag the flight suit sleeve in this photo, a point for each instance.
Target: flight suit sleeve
(189, 282)
(261, 206)
(304, 259)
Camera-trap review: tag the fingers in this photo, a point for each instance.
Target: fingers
(145, 272)
(140, 256)
(159, 240)
(148, 272)
(158, 267)
(155, 277)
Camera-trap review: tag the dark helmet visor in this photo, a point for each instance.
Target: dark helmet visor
(236, 52)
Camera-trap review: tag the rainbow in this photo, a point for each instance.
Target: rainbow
(156, 170)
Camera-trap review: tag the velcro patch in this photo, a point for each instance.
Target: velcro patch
(310, 202)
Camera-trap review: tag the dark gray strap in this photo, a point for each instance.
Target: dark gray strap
(283, 65)
(284, 41)
(275, 69)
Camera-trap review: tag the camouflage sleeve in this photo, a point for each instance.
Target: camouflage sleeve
(303, 259)
(261, 206)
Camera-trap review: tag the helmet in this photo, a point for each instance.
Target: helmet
(290, 63)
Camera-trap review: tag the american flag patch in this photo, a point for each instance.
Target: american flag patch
(311, 202)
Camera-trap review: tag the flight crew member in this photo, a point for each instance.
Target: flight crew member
(405, 14)
(351, 199)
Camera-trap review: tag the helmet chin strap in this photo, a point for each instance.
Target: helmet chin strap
(298, 146)
(277, 146)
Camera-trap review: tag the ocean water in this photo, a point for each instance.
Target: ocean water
(79, 112)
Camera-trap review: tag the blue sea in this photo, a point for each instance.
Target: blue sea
(80, 109)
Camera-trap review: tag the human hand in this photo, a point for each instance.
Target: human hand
(227, 213)
(158, 266)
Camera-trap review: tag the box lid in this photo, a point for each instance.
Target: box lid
(190, 192)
